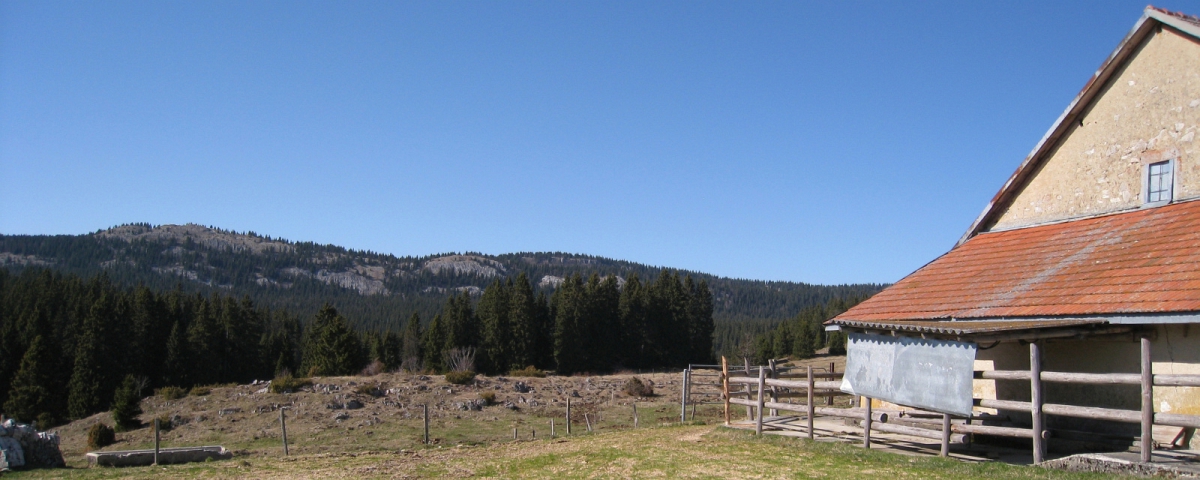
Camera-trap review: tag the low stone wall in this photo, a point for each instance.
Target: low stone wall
(134, 458)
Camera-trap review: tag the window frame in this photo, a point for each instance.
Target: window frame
(1172, 165)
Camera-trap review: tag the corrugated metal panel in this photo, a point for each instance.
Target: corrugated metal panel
(967, 327)
(930, 374)
(1145, 261)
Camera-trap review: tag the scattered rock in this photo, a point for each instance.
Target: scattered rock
(575, 393)
(341, 416)
(522, 387)
(510, 405)
(229, 411)
(354, 405)
(22, 446)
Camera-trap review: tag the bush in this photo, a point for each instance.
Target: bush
(460, 378)
(164, 423)
(635, 387)
(530, 371)
(488, 397)
(171, 393)
(374, 368)
(100, 436)
(200, 391)
(369, 389)
(287, 383)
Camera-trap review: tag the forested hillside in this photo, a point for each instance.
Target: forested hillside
(373, 291)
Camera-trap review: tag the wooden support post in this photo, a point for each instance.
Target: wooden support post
(1035, 384)
(724, 390)
(693, 410)
(867, 423)
(1147, 402)
(774, 397)
(945, 435)
(829, 399)
(762, 382)
(811, 408)
(587, 422)
(635, 416)
(552, 428)
(749, 410)
(683, 398)
(532, 434)
(156, 440)
(568, 415)
(514, 434)
(283, 429)
(425, 413)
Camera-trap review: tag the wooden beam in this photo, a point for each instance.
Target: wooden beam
(811, 412)
(1035, 383)
(1147, 419)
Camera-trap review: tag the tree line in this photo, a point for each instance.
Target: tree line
(70, 343)
(802, 335)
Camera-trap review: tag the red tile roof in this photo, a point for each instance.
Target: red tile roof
(1146, 261)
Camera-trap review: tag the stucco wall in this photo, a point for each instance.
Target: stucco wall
(1149, 113)
(1174, 350)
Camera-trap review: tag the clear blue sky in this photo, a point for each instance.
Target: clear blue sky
(822, 142)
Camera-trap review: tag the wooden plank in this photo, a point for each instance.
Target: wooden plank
(945, 435)
(811, 413)
(916, 432)
(867, 424)
(762, 377)
(1092, 378)
(725, 388)
(990, 430)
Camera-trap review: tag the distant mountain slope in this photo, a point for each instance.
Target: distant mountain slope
(374, 290)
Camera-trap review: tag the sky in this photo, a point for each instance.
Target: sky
(818, 142)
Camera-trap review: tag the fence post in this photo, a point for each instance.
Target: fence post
(1035, 384)
(774, 397)
(724, 388)
(551, 428)
(568, 415)
(762, 377)
(749, 409)
(156, 439)
(1147, 402)
(867, 424)
(684, 399)
(425, 412)
(811, 409)
(635, 417)
(283, 429)
(945, 435)
(832, 369)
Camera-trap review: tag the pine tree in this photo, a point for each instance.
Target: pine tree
(332, 348)
(569, 348)
(410, 343)
(434, 344)
(700, 314)
(84, 391)
(633, 331)
(126, 405)
(523, 316)
(28, 396)
(493, 312)
(177, 364)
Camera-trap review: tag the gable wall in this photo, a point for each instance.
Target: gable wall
(1149, 113)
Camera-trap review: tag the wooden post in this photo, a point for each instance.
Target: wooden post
(762, 381)
(774, 396)
(532, 434)
(514, 434)
(587, 422)
(552, 428)
(693, 410)
(1147, 402)
(425, 411)
(811, 408)
(283, 429)
(568, 415)
(867, 424)
(635, 417)
(1035, 384)
(945, 435)
(683, 399)
(156, 441)
(829, 398)
(724, 390)
(749, 410)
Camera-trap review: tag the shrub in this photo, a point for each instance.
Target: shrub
(530, 371)
(100, 436)
(171, 393)
(164, 423)
(369, 389)
(635, 387)
(488, 397)
(460, 378)
(200, 391)
(375, 368)
(287, 383)
(461, 359)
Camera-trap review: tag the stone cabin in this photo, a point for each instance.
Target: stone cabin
(1092, 244)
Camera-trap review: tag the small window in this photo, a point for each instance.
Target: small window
(1158, 183)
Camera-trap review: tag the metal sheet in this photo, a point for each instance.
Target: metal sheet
(931, 374)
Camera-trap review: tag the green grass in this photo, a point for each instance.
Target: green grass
(675, 451)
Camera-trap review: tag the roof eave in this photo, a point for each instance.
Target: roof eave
(1151, 18)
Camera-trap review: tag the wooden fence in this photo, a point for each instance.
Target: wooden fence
(760, 388)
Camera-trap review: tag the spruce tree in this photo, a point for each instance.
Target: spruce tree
(28, 396)
(332, 348)
(178, 362)
(493, 312)
(523, 316)
(126, 405)
(569, 348)
(633, 330)
(434, 344)
(84, 389)
(410, 343)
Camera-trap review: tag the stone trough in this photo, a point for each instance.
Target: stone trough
(137, 458)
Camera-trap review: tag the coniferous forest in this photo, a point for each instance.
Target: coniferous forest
(71, 343)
